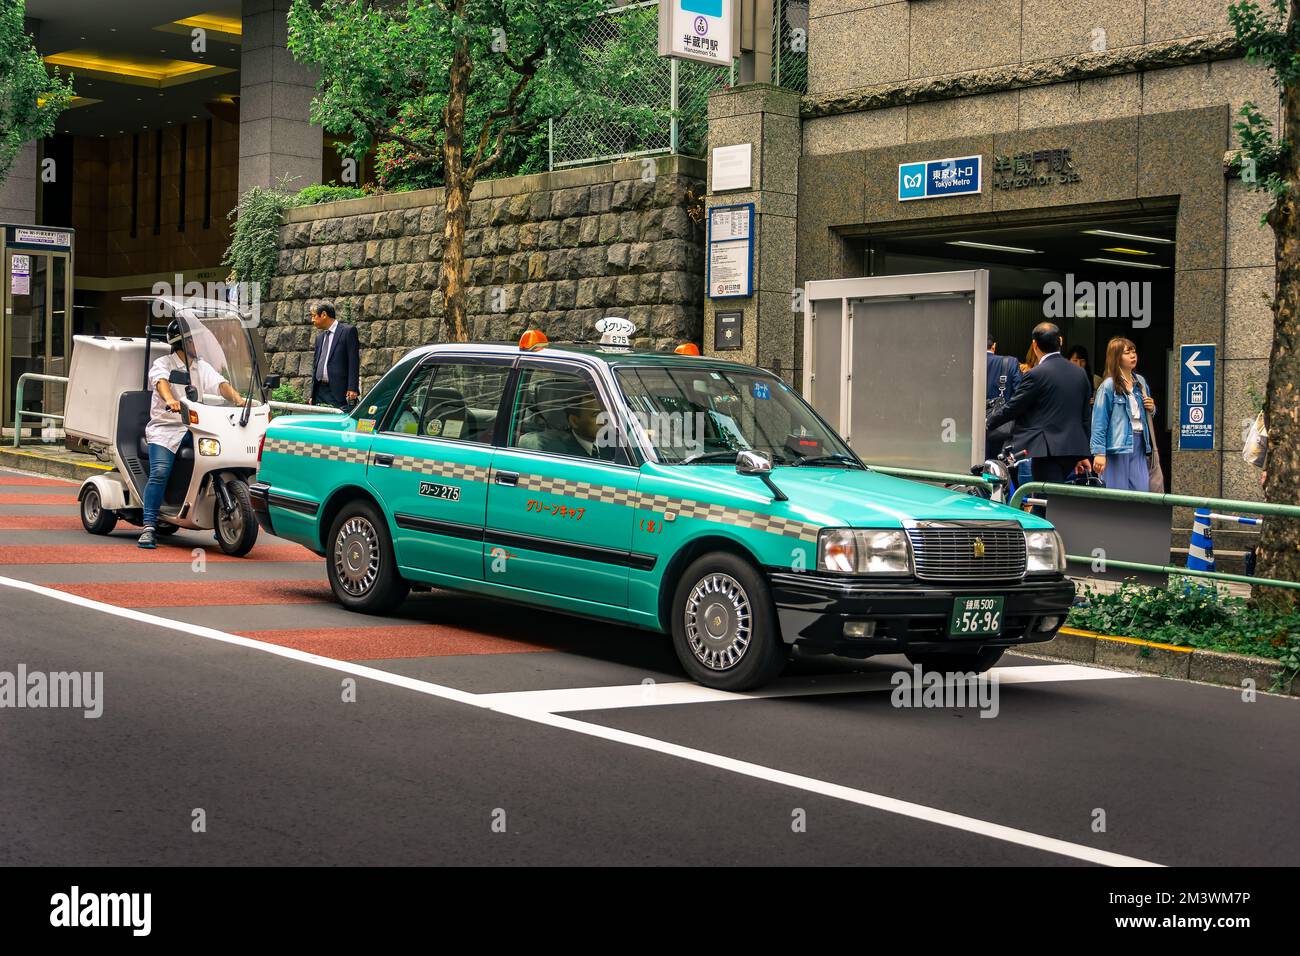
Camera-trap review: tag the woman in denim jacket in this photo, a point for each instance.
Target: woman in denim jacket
(1121, 439)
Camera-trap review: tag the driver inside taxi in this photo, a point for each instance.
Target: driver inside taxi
(583, 417)
(167, 430)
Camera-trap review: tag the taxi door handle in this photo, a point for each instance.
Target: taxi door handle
(383, 461)
(506, 477)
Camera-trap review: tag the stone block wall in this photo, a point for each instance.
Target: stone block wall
(554, 251)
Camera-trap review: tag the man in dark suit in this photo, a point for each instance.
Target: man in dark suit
(1002, 377)
(336, 360)
(1050, 409)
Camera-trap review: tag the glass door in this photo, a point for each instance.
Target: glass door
(35, 335)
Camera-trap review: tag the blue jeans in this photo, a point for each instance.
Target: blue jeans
(161, 459)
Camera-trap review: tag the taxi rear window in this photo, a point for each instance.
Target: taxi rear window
(374, 403)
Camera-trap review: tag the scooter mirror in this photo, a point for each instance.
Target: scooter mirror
(272, 383)
(178, 376)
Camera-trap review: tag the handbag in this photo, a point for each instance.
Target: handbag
(998, 437)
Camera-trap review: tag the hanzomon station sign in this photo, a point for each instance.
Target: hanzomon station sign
(1039, 167)
(700, 30)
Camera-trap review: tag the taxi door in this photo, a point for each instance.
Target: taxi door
(562, 500)
(429, 464)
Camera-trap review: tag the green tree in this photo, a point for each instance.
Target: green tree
(31, 98)
(1270, 35)
(450, 91)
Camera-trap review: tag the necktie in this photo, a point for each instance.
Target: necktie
(322, 370)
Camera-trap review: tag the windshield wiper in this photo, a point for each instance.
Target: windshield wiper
(836, 459)
(716, 457)
(709, 457)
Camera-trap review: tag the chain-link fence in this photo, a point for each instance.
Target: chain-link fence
(665, 101)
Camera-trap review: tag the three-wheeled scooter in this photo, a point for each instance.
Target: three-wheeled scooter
(107, 410)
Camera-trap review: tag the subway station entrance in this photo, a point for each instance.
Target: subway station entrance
(36, 324)
(1106, 274)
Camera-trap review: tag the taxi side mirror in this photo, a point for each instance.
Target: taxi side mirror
(753, 463)
(758, 465)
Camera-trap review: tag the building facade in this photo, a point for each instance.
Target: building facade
(1101, 132)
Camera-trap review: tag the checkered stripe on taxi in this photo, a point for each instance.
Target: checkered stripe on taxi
(311, 449)
(605, 494)
(772, 524)
(440, 469)
(602, 494)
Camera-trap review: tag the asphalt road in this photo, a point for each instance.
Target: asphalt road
(489, 734)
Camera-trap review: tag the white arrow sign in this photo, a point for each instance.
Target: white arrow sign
(1195, 366)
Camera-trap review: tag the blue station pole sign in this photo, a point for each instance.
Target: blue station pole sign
(1196, 404)
(939, 178)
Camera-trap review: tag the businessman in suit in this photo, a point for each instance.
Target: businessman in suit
(1053, 420)
(336, 360)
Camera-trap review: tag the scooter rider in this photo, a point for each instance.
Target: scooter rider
(166, 430)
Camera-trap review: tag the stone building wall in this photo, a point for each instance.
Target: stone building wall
(554, 251)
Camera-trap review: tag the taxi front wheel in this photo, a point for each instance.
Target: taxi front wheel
(724, 625)
(360, 561)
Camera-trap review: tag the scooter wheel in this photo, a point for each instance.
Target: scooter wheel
(237, 531)
(95, 518)
(165, 530)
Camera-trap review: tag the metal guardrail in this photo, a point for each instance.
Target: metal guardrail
(952, 478)
(1267, 508)
(20, 412)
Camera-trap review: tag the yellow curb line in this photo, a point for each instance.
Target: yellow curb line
(1126, 640)
(61, 461)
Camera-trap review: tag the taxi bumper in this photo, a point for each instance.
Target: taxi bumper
(909, 615)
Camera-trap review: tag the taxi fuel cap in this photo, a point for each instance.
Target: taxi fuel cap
(615, 332)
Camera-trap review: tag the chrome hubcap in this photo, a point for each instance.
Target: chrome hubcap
(356, 556)
(719, 621)
(230, 525)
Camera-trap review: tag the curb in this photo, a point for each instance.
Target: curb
(49, 465)
(1162, 660)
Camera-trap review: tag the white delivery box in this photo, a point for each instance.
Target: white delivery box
(102, 369)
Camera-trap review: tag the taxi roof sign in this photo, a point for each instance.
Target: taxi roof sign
(616, 332)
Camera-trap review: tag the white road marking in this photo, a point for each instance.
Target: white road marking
(825, 788)
(574, 699)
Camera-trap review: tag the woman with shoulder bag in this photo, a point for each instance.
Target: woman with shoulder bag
(1122, 438)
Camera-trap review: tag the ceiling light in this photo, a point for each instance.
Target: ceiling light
(215, 23)
(994, 247)
(1125, 262)
(1131, 252)
(1129, 235)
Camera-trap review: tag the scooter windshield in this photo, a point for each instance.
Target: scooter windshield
(222, 342)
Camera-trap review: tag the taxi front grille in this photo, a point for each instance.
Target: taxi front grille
(968, 553)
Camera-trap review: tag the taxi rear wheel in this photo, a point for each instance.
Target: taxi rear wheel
(724, 626)
(360, 561)
(965, 661)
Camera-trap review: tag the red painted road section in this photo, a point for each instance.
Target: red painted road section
(34, 482)
(124, 551)
(365, 642)
(382, 643)
(202, 593)
(39, 523)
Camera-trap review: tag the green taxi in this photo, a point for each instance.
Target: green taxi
(682, 494)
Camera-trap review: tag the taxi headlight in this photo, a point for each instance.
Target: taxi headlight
(863, 551)
(209, 446)
(1045, 551)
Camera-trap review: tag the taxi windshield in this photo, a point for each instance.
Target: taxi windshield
(223, 343)
(700, 415)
